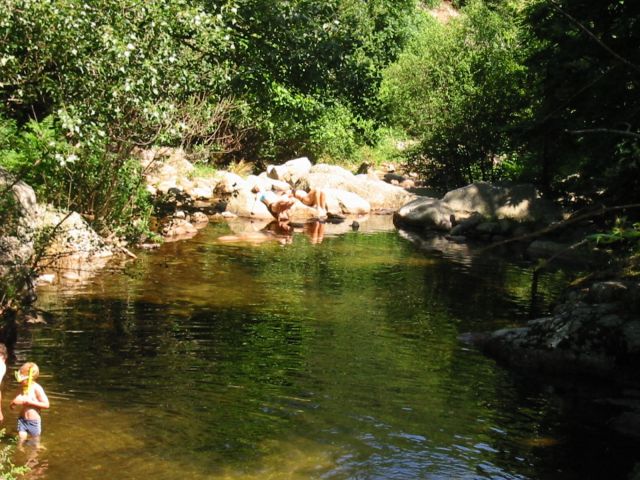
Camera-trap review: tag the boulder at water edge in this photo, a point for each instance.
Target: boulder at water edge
(595, 331)
(424, 212)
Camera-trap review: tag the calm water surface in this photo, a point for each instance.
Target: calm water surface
(337, 360)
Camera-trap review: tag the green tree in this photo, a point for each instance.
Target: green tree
(294, 60)
(587, 120)
(88, 82)
(460, 88)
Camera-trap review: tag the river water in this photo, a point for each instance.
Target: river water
(294, 360)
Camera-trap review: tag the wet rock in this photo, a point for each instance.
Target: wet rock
(467, 224)
(581, 336)
(424, 213)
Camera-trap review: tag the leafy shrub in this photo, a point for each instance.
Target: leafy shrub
(332, 135)
(9, 471)
(458, 89)
(86, 178)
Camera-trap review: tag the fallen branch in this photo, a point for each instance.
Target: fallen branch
(605, 130)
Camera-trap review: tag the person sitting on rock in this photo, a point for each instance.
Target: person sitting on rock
(313, 198)
(277, 204)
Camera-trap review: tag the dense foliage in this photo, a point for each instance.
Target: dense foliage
(540, 90)
(587, 119)
(310, 71)
(84, 83)
(458, 87)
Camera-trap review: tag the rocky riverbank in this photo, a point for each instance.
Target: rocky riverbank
(186, 200)
(52, 246)
(593, 330)
(592, 333)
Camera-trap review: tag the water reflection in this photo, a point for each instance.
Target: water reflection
(332, 360)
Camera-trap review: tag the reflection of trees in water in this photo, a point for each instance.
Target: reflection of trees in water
(132, 356)
(322, 337)
(481, 287)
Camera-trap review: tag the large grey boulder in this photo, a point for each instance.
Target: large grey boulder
(262, 182)
(349, 203)
(73, 249)
(379, 194)
(66, 244)
(290, 171)
(24, 198)
(424, 212)
(19, 230)
(582, 335)
(519, 203)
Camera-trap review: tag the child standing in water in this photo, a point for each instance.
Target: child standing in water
(32, 399)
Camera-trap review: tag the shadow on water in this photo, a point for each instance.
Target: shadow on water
(332, 360)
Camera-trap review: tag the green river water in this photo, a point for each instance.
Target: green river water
(334, 360)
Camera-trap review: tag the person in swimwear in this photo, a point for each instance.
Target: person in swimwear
(275, 203)
(32, 399)
(278, 204)
(313, 198)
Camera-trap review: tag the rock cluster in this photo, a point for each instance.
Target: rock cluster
(595, 330)
(179, 193)
(479, 211)
(58, 243)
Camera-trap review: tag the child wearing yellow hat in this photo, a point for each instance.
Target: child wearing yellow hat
(32, 399)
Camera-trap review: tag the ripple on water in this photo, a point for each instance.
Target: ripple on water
(336, 361)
